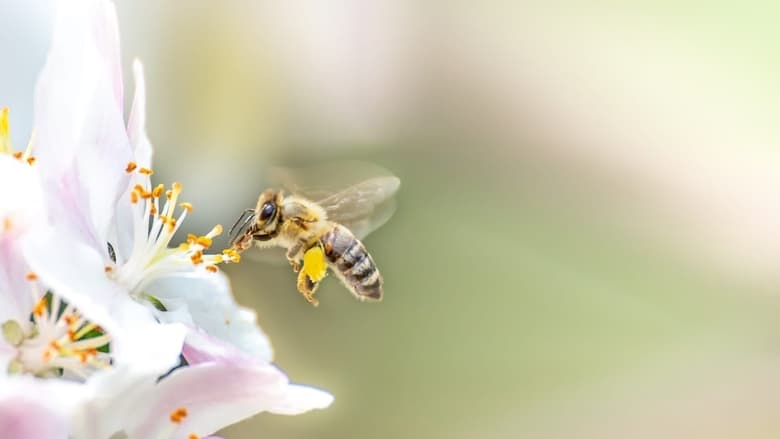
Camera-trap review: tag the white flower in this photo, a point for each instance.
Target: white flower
(220, 386)
(48, 349)
(107, 220)
(101, 310)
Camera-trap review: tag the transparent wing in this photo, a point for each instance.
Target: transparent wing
(363, 207)
(355, 194)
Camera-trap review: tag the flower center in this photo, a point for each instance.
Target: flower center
(56, 339)
(5, 140)
(153, 229)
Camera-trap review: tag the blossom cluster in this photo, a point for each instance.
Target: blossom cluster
(108, 328)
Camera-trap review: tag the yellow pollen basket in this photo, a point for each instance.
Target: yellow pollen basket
(314, 263)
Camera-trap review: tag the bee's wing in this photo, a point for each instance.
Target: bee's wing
(355, 194)
(364, 207)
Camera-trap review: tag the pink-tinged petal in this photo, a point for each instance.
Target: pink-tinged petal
(200, 347)
(81, 141)
(66, 84)
(210, 306)
(136, 124)
(26, 417)
(105, 32)
(300, 399)
(216, 395)
(21, 212)
(15, 298)
(38, 408)
(205, 396)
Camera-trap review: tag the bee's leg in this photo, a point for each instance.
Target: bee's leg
(308, 287)
(295, 255)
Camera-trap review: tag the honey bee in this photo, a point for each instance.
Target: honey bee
(322, 234)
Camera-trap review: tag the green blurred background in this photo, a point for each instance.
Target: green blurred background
(588, 228)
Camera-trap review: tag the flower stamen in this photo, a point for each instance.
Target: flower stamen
(153, 228)
(55, 339)
(5, 140)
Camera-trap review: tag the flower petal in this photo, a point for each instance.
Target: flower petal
(136, 124)
(217, 395)
(211, 306)
(21, 212)
(78, 113)
(142, 153)
(36, 408)
(7, 353)
(299, 399)
(205, 397)
(75, 272)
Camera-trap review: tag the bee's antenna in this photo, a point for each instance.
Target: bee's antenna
(246, 218)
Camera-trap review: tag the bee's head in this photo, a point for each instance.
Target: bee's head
(267, 216)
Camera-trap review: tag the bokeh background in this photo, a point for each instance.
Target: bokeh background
(588, 228)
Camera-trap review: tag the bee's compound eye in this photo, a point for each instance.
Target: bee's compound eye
(268, 211)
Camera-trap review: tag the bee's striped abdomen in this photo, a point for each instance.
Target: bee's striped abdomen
(351, 262)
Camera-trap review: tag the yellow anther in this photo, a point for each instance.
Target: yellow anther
(108, 269)
(186, 206)
(158, 190)
(31, 276)
(5, 137)
(40, 307)
(131, 167)
(178, 415)
(204, 241)
(31, 160)
(17, 155)
(7, 224)
(232, 255)
(145, 171)
(134, 197)
(197, 257)
(212, 268)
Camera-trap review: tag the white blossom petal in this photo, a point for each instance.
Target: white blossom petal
(36, 408)
(7, 353)
(136, 124)
(207, 395)
(75, 272)
(78, 114)
(21, 212)
(209, 304)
